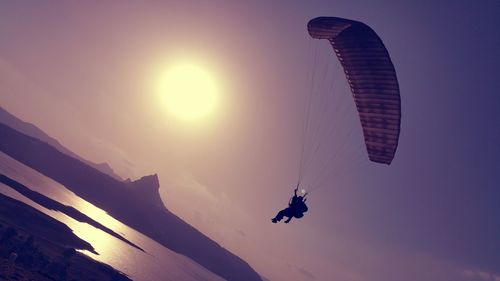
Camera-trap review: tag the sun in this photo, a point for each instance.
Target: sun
(188, 91)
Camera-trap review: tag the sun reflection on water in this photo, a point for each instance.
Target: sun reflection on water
(155, 263)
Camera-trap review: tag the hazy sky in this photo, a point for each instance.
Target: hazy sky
(86, 73)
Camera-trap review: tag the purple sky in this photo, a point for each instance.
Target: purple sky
(83, 72)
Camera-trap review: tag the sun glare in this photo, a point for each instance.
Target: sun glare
(189, 92)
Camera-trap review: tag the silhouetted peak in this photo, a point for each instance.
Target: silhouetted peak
(148, 188)
(147, 182)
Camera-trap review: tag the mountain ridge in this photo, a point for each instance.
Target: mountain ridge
(149, 189)
(135, 203)
(33, 131)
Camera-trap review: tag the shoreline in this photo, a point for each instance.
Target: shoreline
(34, 246)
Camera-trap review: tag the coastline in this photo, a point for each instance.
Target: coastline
(34, 246)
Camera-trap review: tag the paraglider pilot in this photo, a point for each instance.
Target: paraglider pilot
(296, 208)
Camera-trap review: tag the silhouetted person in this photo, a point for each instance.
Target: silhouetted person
(296, 208)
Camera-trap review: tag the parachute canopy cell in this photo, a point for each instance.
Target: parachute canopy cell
(372, 79)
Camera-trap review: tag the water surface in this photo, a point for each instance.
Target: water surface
(156, 263)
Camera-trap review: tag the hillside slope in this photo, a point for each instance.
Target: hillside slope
(135, 204)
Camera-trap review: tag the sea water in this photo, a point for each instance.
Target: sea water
(155, 263)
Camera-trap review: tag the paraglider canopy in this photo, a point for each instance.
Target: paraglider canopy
(372, 79)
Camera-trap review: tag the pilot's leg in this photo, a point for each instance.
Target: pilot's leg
(289, 213)
(279, 216)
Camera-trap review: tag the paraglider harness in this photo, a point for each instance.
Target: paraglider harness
(298, 204)
(296, 208)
